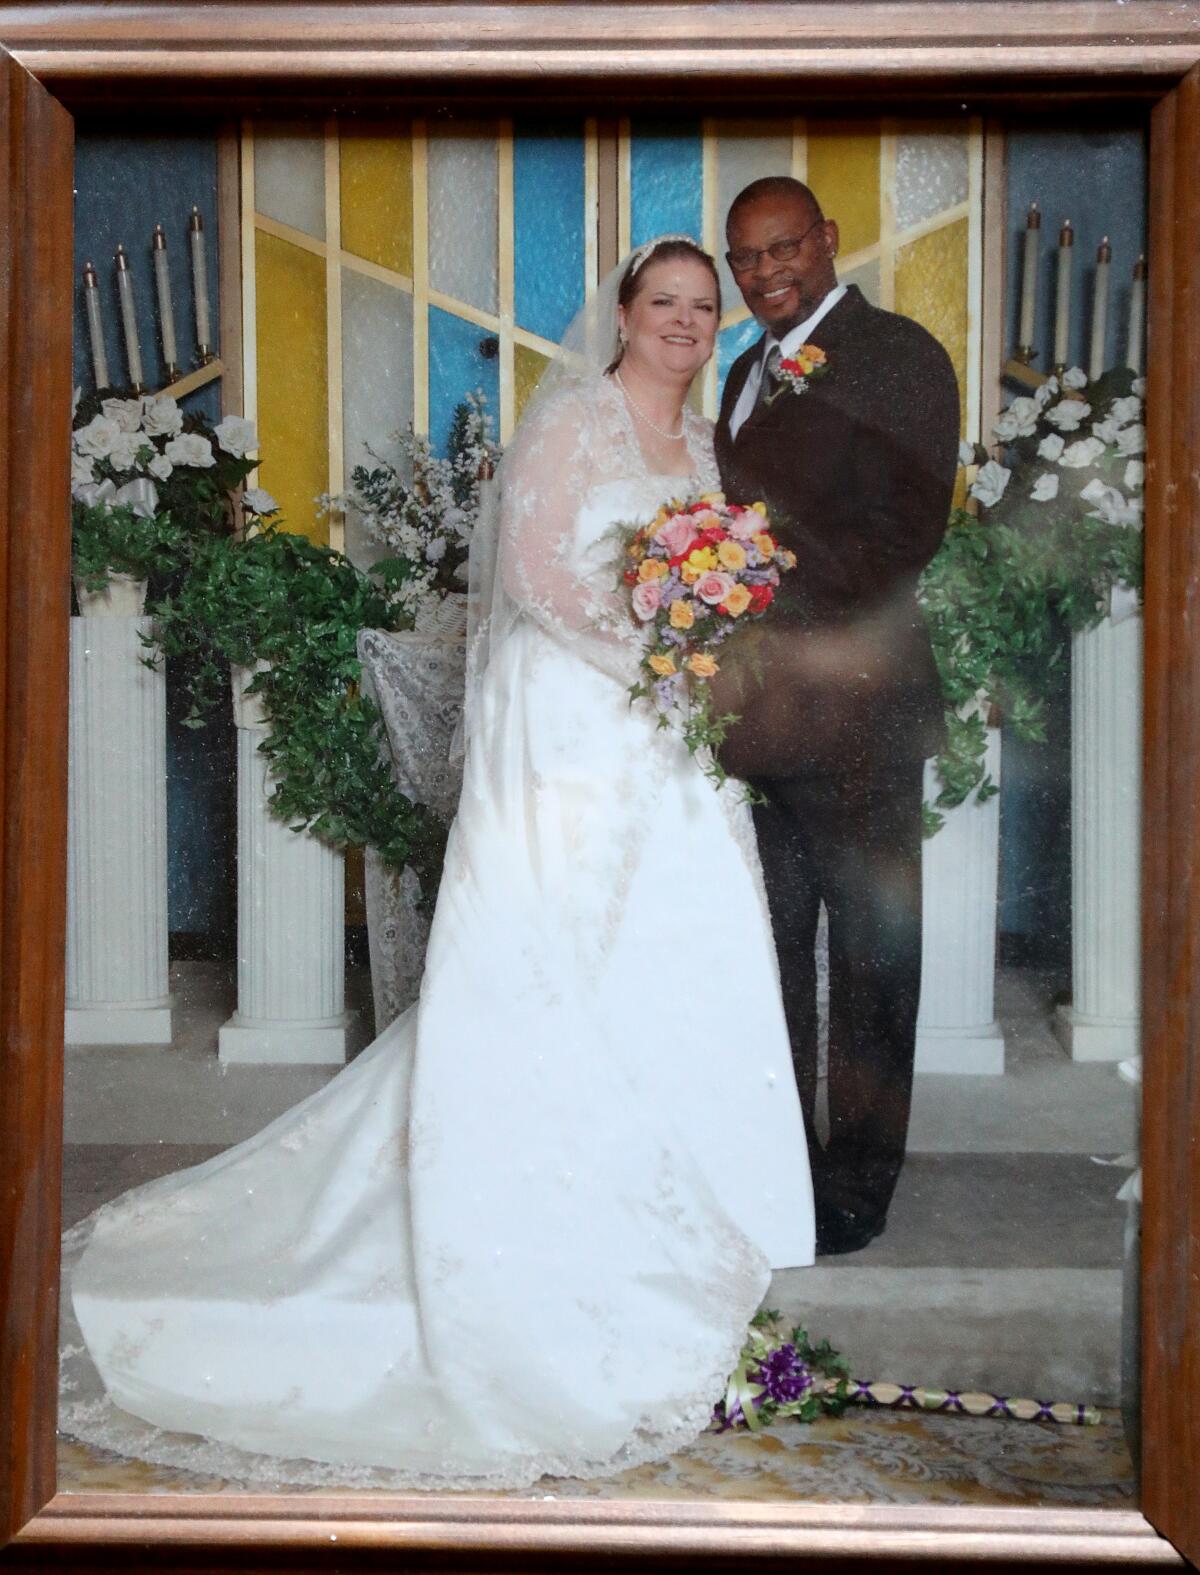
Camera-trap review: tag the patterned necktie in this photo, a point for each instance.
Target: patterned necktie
(769, 382)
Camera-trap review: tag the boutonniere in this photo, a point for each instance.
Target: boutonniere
(796, 372)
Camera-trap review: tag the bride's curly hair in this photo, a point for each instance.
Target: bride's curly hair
(660, 251)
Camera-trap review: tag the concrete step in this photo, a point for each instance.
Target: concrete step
(1052, 1334)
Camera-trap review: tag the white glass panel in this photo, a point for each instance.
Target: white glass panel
(377, 383)
(289, 176)
(464, 215)
(746, 150)
(931, 173)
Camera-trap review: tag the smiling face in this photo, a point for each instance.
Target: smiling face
(671, 323)
(782, 294)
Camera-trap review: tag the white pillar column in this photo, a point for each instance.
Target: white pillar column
(291, 959)
(116, 828)
(957, 1029)
(1103, 1021)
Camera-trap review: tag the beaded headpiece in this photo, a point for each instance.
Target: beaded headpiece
(647, 247)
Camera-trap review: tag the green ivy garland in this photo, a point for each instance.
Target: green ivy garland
(277, 598)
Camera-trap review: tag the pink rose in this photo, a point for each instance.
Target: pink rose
(647, 599)
(677, 533)
(713, 587)
(744, 523)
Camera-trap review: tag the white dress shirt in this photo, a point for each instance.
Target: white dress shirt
(788, 346)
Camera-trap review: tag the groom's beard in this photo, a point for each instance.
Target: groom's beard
(808, 300)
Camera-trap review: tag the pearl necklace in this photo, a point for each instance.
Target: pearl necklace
(671, 437)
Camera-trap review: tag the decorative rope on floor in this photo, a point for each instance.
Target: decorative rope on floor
(966, 1402)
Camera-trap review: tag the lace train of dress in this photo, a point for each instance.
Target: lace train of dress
(524, 1231)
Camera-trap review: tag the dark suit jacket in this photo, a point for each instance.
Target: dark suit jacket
(857, 474)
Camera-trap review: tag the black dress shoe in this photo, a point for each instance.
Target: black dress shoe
(845, 1233)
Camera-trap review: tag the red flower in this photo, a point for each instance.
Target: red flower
(711, 537)
(761, 597)
(692, 546)
(630, 577)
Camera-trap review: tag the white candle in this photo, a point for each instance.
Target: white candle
(1033, 243)
(133, 351)
(166, 310)
(200, 283)
(91, 301)
(1100, 310)
(1137, 311)
(1062, 302)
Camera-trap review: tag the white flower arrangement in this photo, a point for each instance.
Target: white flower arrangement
(990, 483)
(424, 507)
(1068, 415)
(1103, 462)
(144, 476)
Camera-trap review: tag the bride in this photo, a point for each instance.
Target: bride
(523, 1233)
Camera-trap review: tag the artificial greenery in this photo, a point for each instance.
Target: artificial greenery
(107, 540)
(1011, 585)
(275, 597)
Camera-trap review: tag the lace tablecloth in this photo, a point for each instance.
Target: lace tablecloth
(416, 680)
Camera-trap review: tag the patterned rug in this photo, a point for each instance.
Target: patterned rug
(875, 1457)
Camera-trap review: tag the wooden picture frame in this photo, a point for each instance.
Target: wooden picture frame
(221, 59)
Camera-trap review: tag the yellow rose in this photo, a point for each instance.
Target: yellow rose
(737, 601)
(760, 508)
(805, 366)
(681, 614)
(702, 665)
(765, 543)
(701, 559)
(716, 500)
(813, 353)
(653, 569)
(664, 666)
(787, 559)
(688, 575)
(732, 555)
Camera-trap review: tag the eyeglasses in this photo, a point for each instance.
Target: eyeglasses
(782, 251)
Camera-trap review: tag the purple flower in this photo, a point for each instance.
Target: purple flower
(783, 1375)
(666, 692)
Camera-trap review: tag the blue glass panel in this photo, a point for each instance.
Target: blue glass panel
(458, 366)
(730, 344)
(548, 224)
(666, 175)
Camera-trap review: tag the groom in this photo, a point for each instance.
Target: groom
(857, 472)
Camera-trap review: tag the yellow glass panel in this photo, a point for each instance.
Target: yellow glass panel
(293, 422)
(528, 366)
(843, 171)
(377, 207)
(931, 286)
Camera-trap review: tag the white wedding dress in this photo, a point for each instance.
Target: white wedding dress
(524, 1231)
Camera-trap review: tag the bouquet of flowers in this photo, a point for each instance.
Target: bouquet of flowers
(782, 1375)
(145, 478)
(695, 573)
(424, 507)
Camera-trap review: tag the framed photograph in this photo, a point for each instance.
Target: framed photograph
(263, 67)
